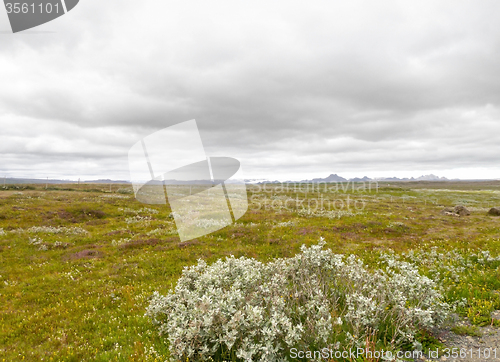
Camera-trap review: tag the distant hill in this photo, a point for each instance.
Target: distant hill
(431, 177)
(14, 180)
(363, 179)
(337, 178)
(331, 178)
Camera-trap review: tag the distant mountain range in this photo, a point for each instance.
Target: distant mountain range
(14, 180)
(331, 178)
(337, 178)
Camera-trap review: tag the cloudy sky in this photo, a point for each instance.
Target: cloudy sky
(292, 89)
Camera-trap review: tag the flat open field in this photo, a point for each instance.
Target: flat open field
(78, 264)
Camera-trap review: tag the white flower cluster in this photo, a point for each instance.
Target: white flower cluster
(35, 241)
(144, 210)
(253, 311)
(330, 214)
(57, 230)
(42, 245)
(247, 225)
(120, 241)
(396, 224)
(210, 223)
(138, 219)
(284, 224)
(148, 210)
(2, 232)
(159, 231)
(39, 242)
(115, 196)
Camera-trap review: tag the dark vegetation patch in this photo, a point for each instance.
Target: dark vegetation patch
(238, 235)
(17, 187)
(185, 244)
(240, 230)
(72, 215)
(142, 243)
(139, 243)
(350, 235)
(276, 241)
(85, 254)
(306, 230)
(96, 222)
(85, 212)
(118, 232)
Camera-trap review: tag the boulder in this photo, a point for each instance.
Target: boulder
(446, 211)
(458, 210)
(461, 210)
(494, 211)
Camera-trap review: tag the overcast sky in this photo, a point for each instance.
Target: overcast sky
(293, 90)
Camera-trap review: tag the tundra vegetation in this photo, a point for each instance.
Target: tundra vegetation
(89, 273)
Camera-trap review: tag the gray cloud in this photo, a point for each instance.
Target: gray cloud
(293, 90)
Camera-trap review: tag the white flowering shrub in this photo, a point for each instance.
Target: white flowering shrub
(242, 309)
(144, 210)
(159, 232)
(138, 219)
(284, 224)
(330, 214)
(35, 241)
(115, 242)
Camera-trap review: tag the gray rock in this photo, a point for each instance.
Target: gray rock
(461, 210)
(447, 211)
(495, 211)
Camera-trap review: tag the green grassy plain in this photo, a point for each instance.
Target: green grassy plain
(78, 263)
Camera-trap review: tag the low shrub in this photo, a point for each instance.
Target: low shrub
(125, 191)
(464, 330)
(245, 310)
(480, 312)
